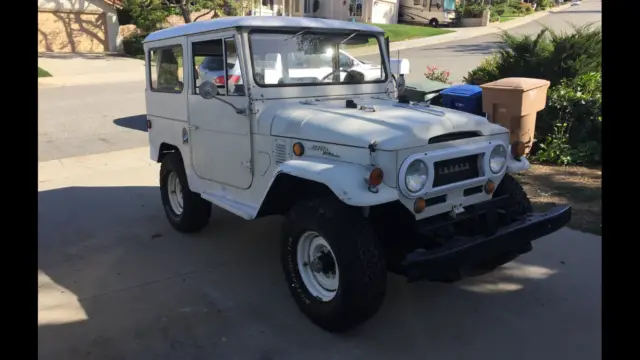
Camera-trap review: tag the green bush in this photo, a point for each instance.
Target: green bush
(571, 124)
(494, 17)
(544, 4)
(473, 10)
(132, 45)
(547, 55)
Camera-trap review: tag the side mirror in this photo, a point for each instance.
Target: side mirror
(208, 90)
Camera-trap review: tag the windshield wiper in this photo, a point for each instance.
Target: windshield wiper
(349, 38)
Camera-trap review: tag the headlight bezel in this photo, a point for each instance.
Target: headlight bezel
(504, 162)
(402, 181)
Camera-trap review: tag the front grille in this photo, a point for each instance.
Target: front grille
(455, 170)
(453, 136)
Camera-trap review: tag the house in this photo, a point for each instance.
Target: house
(78, 26)
(372, 11)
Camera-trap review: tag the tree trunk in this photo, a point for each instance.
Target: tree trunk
(186, 13)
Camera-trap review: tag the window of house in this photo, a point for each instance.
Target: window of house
(355, 8)
(217, 61)
(165, 68)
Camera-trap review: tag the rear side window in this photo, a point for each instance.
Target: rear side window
(166, 71)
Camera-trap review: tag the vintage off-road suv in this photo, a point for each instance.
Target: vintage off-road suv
(366, 184)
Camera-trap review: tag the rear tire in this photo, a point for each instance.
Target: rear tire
(353, 267)
(186, 211)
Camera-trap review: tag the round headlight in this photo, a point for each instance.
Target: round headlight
(415, 177)
(498, 159)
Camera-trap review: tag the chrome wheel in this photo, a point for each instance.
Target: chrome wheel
(175, 193)
(318, 266)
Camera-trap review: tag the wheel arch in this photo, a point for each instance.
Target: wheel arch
(298, 179)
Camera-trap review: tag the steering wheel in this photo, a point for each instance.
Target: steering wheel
(333, 73)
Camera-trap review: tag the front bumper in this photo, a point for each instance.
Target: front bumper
(463, 252)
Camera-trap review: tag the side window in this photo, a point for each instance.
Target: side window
(345, 61)
(435, 4)
(417, 2)
(425, 3)
(217, 61)
(165, 69)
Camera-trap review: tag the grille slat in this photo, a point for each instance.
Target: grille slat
(451, 171)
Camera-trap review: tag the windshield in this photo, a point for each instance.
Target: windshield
(314, 58)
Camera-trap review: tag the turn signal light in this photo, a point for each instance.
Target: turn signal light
(375, 177)
(419, 205)
(489, 187)
(517, 149)
(298, 149)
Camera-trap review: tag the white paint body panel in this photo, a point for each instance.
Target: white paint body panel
(233, 159)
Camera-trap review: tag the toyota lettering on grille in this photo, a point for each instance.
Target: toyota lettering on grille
(444, 170)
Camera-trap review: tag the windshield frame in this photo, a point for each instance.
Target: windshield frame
(378, 36)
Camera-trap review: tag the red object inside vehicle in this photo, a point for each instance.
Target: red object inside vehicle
(232, 79)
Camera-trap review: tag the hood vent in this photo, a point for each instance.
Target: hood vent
(453, 136)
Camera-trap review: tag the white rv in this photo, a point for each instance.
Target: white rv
(431, 12)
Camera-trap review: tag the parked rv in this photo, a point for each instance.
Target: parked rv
(423, 12)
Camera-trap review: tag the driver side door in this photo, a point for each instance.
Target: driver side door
(219, 131)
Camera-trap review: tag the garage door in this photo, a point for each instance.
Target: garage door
(71, 32)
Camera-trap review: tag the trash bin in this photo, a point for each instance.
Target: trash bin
(467, 98)
(514, 103)
(418, 90)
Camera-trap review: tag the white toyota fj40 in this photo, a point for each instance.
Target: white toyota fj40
(366, 183)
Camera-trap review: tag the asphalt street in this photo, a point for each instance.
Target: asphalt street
(93, 119)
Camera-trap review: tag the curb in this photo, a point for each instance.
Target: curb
(90, 79)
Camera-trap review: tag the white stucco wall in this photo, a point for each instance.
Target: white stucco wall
(114, 40)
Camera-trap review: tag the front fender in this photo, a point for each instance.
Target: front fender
(346, 180)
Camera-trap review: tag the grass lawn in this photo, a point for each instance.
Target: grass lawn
(577, 186)
(399, 32)
(43, 73)
(507, 18)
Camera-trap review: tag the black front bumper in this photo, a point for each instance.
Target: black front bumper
(463, 252)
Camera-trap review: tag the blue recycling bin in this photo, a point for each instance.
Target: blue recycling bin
(467, 98)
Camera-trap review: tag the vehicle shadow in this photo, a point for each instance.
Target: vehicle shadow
(115, 281)
(135, 122)
(485, 48)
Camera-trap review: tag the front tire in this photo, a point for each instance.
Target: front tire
(433, 23)
(186, 211)
(333, 264)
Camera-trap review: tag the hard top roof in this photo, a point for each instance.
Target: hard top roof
(258, 21)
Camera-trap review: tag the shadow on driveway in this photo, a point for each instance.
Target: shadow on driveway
(116, 282)
(135, 122)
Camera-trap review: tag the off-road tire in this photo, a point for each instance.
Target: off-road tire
(518, 206)
(359, 255)
(519, 203)
(196, 210)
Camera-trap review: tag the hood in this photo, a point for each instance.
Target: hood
(393, 126)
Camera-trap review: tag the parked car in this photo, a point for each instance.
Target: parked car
(575, 2)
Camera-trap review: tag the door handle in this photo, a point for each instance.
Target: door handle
(192, 127)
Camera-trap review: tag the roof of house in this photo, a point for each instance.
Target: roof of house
(259, 21)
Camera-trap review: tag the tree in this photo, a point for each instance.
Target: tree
(149, 15)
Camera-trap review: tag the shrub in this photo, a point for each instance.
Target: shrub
(497, 10)
(473, 10)
(494, 17)
(526, 8)
(548, 55)
(437, 75)
(132, 45)
(571, 124)
(544, 4)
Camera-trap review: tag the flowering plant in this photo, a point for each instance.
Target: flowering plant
(437, 75)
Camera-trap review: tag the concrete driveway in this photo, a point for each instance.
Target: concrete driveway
(116, 282)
